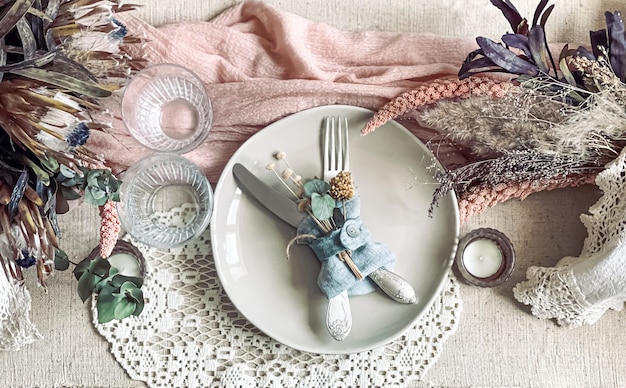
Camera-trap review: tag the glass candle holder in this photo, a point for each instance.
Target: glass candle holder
(166, 108)
(128, 260)
(485, 257)
(165, 200)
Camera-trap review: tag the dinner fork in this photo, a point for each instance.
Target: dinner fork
(337, 158)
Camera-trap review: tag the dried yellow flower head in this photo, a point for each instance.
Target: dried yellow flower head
(341, 186)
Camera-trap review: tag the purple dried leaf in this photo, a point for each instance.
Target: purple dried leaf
(598, 39)
(617, 43)
(517, 41)
(542, 4)
(539, 48)
(476, 66)
(583, 52)
(545, 16)
(505, 58)
(517, 22)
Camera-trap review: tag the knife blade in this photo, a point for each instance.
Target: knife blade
(270, 198)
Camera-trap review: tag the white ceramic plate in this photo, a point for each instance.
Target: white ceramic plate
(391, 168)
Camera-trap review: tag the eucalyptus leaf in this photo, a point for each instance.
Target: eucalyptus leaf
(119, 280)
(70, 194)
(105, 305)
(124, 309)
(66, 171)
(315, 186)
(90, 273)
(322, 206)
(61, 260)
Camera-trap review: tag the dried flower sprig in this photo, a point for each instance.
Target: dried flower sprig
(526, 119)
(341, 186)
(110, 226)
(509, 168)
(432, 92)
(318, 199)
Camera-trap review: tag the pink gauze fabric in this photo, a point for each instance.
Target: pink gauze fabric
(260, 65)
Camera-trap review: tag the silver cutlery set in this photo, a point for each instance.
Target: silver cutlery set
(335, 143)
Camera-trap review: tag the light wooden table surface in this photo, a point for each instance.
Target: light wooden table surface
(497, 344)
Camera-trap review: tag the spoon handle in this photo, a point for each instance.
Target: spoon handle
(394, 285)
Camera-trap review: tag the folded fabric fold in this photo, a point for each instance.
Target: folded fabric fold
(335, 276)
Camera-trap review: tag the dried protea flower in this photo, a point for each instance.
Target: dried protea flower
(90, 34)
(341, 186)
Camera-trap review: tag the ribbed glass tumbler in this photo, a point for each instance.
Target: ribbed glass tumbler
(166, 108)
(166, 200)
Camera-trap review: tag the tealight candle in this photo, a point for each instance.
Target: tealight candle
(485, 257)
(126, 264)
(482, 258)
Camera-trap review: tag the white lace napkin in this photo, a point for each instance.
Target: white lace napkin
(191, 335)
(579, 290)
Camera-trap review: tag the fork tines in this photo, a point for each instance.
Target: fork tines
(336, 143)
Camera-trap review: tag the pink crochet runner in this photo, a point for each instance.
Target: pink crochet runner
(260, 64)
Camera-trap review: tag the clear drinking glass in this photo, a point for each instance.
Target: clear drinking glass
(166, 200)
(166, 108)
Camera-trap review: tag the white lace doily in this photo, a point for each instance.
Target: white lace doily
(190, 335)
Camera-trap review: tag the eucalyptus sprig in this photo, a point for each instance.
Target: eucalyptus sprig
(118, 296)
(96, 186)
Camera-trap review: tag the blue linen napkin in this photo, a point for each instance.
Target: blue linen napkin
(335, 276)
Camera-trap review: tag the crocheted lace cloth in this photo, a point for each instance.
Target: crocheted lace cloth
(16, 329)
(191, 335)
(579, 290)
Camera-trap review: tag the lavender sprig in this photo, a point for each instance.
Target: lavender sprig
(511, 166)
